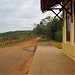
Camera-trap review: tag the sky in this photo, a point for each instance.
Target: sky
(20, 14)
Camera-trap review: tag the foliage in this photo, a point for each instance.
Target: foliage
(49, 31)
(58, 36)
(39, 30)
(49, 28)
(56, 26)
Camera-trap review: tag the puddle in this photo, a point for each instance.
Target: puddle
(31, 49)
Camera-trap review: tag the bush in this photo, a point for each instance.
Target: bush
(58, 36)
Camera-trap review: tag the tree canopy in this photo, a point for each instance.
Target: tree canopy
(49, 28)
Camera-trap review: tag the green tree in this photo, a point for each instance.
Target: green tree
(56, 26)
(39, 30)
(49, 31)
(58, 36)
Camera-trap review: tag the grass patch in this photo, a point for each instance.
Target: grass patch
(42, 40)
(49, 42)
(56, 44)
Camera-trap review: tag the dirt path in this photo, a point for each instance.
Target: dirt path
(16, 60)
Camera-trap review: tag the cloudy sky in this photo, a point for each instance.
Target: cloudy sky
(20, 14)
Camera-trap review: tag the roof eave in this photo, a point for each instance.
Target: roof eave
(47, 4)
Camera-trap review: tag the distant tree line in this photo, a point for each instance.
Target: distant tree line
(49, 28)
(15, 36)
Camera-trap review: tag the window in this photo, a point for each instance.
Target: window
(68, 26)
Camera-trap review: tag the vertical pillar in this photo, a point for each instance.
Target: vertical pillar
(64, 27)
(72, 26)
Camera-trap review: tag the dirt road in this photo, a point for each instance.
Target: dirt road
(16, 60)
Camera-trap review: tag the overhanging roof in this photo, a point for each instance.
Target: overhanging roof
(49, 5)
(46, 4)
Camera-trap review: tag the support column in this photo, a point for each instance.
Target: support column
(72, 34)
(72, 26)
(64, 27)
